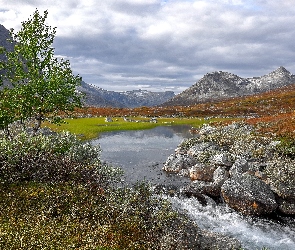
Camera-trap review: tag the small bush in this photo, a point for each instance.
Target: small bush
(55, 216)
(54, 158)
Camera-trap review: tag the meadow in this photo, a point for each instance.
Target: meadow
(89, 128)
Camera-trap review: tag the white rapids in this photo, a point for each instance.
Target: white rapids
(253, 233)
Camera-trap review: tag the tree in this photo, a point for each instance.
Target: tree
(41, 86)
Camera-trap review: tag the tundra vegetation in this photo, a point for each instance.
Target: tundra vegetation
(55, 193)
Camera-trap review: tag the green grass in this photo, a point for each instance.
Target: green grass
(89, 128)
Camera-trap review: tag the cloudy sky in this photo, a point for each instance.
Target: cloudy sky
(163, 45)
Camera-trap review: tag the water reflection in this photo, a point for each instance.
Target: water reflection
(141, 153)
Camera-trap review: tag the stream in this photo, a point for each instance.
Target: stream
(141, 155)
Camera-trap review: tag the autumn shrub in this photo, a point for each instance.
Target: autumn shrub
(59, 157)
(56, 194)
(59, 216)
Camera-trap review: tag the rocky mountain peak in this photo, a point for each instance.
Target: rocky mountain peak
(281, 71)
(220, 85)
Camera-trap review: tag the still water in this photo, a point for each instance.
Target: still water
(141, 155)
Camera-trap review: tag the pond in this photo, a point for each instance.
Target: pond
(141, 155)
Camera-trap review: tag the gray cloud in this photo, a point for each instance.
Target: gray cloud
(159, 45)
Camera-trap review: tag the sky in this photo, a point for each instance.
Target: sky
(163, 45)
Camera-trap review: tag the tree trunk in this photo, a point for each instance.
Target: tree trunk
(38, 122)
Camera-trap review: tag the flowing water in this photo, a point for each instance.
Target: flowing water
(141, 155)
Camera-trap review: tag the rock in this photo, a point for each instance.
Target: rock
(201, 172)
(261, 175)
(283, 189)
(248, 195)
(240, 166)
(221, 160)
(201, 187)
(184, 172)
(220, 175)
(176, 162)
(281, 177)
(211, 188)
(214, 241)
(286, 206)
(200, 147)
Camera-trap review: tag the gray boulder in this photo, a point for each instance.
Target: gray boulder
(211, 188)
(239, 167)
(221, 160)
(286, 206)
(216, 241)
(202, 172)
(176, 162)
(249, 195)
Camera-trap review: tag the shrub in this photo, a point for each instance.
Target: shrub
(53, 158)
(59, 216)
(56, 194)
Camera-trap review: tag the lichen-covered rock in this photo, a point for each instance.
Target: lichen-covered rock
(177, 162)
(201, 187)
(211, 188)
(221, 160)
(215, 241)
(202, 172)
(249, 195)
(201, 147)
(281, 174)
(239, 167)
(220, 175)
(286, 206)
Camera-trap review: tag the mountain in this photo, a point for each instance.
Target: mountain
(4, 36)
(99, 97)
(223, 85)
(102, 98)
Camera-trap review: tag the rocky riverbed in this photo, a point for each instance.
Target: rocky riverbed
(234, 165)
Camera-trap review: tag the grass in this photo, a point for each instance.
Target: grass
(89, 128)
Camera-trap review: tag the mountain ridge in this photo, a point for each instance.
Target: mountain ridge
(219, 85)
(98, 97)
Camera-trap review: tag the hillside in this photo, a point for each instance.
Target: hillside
(223, 85)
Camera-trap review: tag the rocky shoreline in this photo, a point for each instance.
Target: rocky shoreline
(235, 165)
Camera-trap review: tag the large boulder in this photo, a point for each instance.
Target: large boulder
(239, 167)
(249, 195)
(202, 172)
(221, 159)
(215, 241)
(281, 176)
(211, 188)
(286, 206)
(197, 188)
(176, 162)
